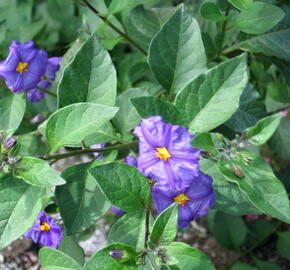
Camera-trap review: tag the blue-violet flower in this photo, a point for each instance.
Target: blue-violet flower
(194, 201)
(45, 231)
(24, 66)
(165, 153)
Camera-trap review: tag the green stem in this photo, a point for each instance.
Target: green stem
(147, 230)
(46, 92)
(224, 28)
(90, 150)
(115, 28)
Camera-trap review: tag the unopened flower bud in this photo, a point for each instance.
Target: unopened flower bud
(37, 119)
(284, 113)
(10, 143)
(116, 254)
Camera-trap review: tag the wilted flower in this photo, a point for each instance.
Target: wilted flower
(24, 66)
(53, 64)
(194, 200)
(45, 231)
(165, 153)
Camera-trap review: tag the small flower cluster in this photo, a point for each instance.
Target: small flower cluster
(27, 69)
(7, 159)
(166, 157)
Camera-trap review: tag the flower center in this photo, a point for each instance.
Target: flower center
(181, 199)
(22, 67)
(162, 153)
(44, 226)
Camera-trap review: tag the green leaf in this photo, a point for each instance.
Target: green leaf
(12, 109)
(262, 265)
(29, 31)
(212, 98)
(228, 197)
(129, 230)
(20, 204)
(259, 231)
(242, 266)
(229, 231)
(165, 227)
(262, 187)
(172, 58)
(151, 106)
(123, 185)
(53, 259)
(187, 257)
(205, 142)
(90, 77)
(80, 200)
(70, 247)
(259, 18)
(250, 110)
(118, 6)
(241, 4)
(210, 11)
(280, 141)
(278, 91)
(271, 44)
(37, 172)
(30, 145)
(142, 25)
(264, 129)
(127, 117)
(283, 244)
(71, 124)
(101, 260)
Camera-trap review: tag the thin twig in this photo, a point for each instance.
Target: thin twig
(89, 150)
(115, 28)
(223, 32)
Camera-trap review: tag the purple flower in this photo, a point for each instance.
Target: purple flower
(45, 231)
(34, 95)
(165, 153)
(24, 66)
(97, 146)
(194, 201)
(53, 66)
(131, 160)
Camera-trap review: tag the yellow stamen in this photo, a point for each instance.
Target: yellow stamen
(181, 199)
(22, 67)
(44, 226)
(162, 153)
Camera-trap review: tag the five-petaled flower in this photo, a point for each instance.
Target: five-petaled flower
(165, 153)
(45, 231)
(194, 200)
(24, 66)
